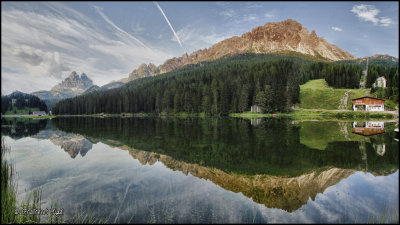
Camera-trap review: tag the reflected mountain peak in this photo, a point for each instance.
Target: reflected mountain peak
(287, 193)
(73, 144)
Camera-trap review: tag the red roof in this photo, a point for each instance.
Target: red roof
(368, 97)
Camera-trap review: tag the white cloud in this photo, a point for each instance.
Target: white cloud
(370, 13)
(250, 17)
(222, 3)
(386, 21)
(253, 5)
(46, 41)
(228, 14)
(336, 29)
(269, 15)
(196, 38)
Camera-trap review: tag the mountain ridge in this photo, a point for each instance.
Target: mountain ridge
(273, 37)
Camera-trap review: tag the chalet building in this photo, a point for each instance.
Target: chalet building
(368, 128)
(380, 82)
(39, 113)
(256, 108)
(26, 100)
(367, 103)
(14, 100)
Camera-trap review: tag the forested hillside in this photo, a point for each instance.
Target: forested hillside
(227, 85)
(391, 73)
(24, 103)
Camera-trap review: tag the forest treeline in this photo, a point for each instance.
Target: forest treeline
(22, 100)
(219, 87)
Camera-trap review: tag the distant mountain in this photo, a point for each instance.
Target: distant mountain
(143, 71)
(74, 84)
(71, 86)
(383, 57)
(114, 84)
(95, 88)
(286, 36)
(377, 59)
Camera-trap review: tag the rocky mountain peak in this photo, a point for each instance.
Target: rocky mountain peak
(144, 70)
(73, 76)
(84, 76)
(74, 83)
(285, 36)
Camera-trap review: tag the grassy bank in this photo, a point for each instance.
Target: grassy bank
(316, 94)
(295, 114)
(28, 116)
(319, 114)
(9, 204)
(24, 110)
(319, 101)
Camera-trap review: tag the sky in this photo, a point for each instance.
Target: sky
(43, 42)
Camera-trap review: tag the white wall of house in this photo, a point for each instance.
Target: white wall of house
(380, 82)
(375, 108)
(256, 108)
(371, 108)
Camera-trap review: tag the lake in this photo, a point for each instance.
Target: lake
(213, 170)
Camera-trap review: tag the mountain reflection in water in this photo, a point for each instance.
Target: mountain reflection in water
(276, 162)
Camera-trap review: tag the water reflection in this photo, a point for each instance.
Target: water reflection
(17, 128)
(287, 193)
(73, 144)
(277, 163)
(368, 128)
(255, 122)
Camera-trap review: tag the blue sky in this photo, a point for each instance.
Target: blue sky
(43, 42)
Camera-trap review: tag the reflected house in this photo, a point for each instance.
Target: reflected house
(368, 128)
(255, 122)
(367, 103)
(379, 148)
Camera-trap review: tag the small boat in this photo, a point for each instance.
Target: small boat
(396, 130)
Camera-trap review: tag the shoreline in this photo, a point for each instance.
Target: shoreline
(297, 114)
(300, 114)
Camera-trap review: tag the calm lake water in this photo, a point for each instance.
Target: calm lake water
(153, 170)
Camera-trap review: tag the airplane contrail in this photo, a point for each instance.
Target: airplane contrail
(176, 36)
(98, 9)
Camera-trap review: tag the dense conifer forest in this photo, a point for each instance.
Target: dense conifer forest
(22, 101)
(223, 86)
